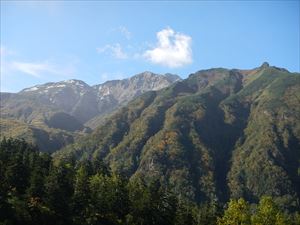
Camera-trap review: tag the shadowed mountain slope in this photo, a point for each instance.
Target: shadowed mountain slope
(217, 134)
(72, 106)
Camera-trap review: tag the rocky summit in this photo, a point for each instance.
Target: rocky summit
(56, 113)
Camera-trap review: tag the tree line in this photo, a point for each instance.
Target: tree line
(34, 190)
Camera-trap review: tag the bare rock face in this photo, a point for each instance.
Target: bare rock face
(53, 115)
(113, 94)
(78, 99)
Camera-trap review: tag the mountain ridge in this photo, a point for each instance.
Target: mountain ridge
(219, 133)
(54, 104)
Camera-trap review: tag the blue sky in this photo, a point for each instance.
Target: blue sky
(97, 41)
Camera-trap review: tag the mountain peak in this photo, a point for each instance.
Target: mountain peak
(265, 65)
(172, 77)
(75, 82)
(145, 74)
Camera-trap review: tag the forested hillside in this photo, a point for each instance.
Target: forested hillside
(216, 135)
(149, 112)
(35, 191)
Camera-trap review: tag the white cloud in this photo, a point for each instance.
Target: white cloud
(173, 49)
(125, 32)
(33, 69)
(2, 51)
(41, 69)
(115, 50)
(5, 52)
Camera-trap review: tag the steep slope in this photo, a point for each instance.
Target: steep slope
(38, 104)
(78, 99)
(72, 106)
(217, 134)
(266, 159)
(37, 115)
(116, 93)
(48, 139)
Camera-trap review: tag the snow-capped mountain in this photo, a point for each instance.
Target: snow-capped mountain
(78, 99)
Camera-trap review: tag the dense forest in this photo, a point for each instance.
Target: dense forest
(218, 134)
(35, 190)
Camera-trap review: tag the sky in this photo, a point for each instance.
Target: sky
(96, 41)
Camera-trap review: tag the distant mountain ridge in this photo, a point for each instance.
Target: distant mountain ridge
(68, 105)
(84, 102)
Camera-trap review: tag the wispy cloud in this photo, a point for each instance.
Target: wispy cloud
(115, 50)
(173, 49)
(2, 51)
(33, 69)
(5, 52)
(12, 64)
(124, 31)
(40, 69)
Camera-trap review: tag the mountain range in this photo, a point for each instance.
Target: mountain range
(219, 134)
(52, 115)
